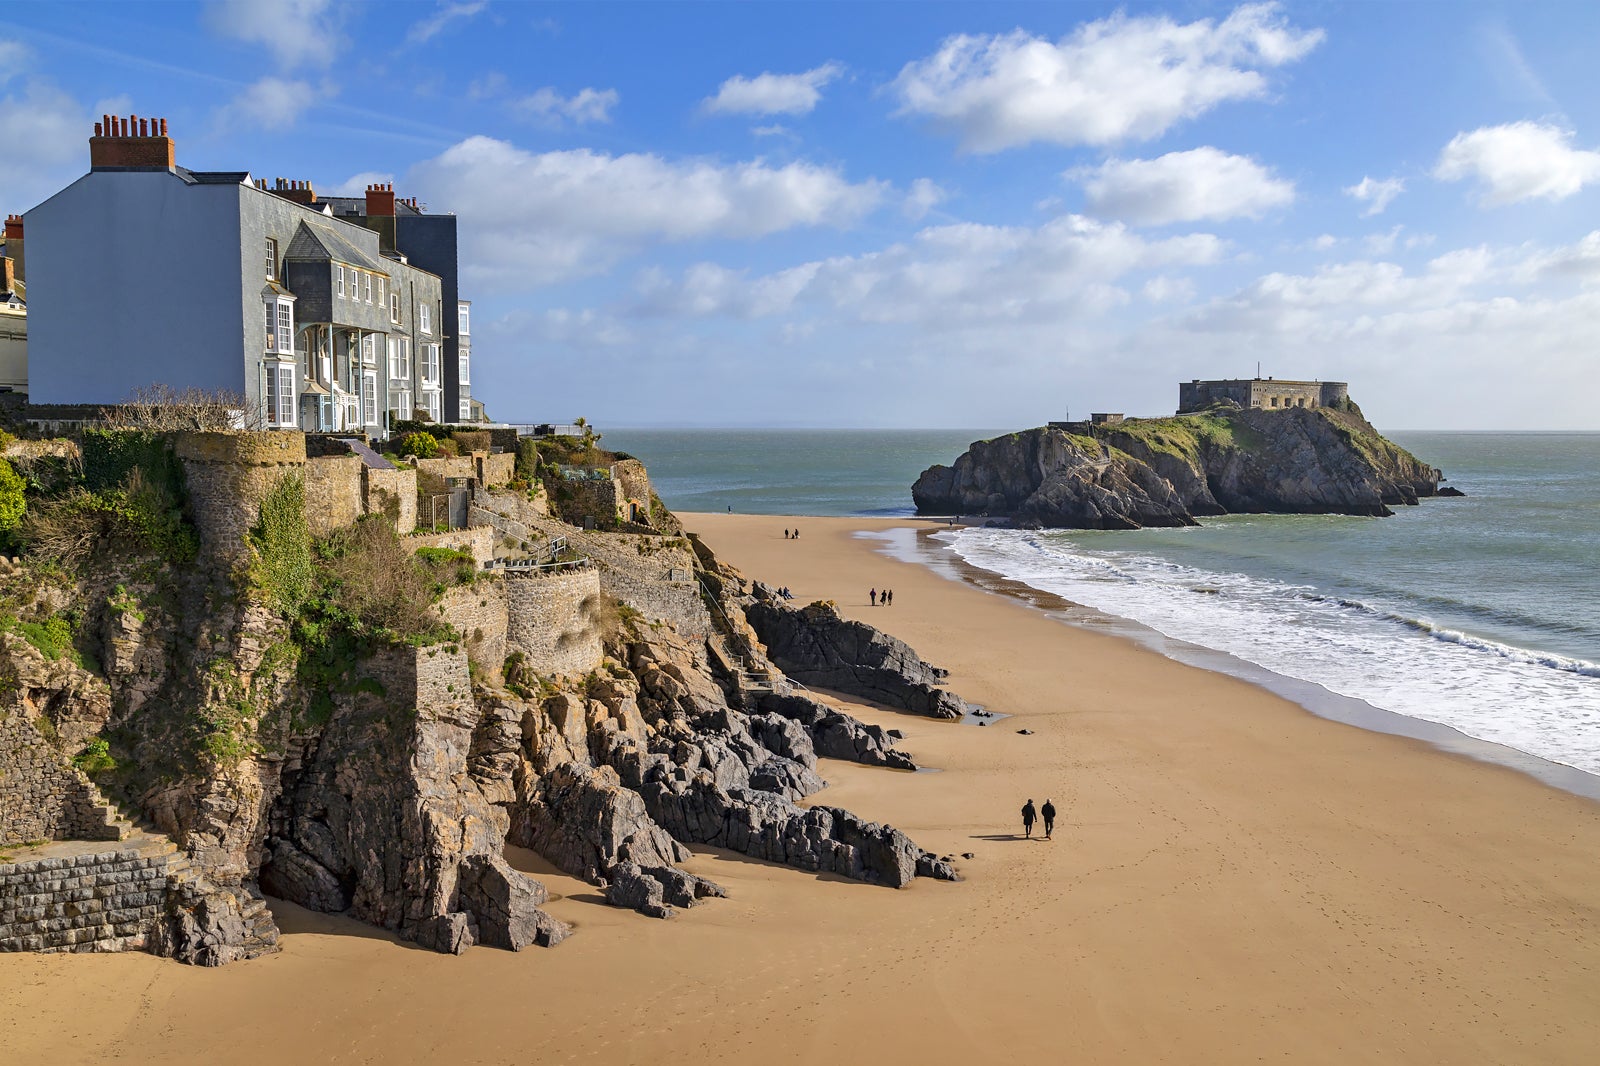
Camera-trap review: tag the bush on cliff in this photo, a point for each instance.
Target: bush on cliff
(283, 568)
(13, 504)
(422, 444)
(370, 578)
(140, 512)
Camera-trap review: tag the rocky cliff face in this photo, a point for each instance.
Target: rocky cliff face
(1169, 471)
(384, 779)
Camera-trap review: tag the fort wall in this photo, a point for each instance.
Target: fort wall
(333, 493)
(553, 617)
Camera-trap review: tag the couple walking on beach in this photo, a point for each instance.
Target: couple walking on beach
(1029, 816)
(881, 599)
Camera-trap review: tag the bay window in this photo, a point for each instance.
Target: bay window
(280, 395)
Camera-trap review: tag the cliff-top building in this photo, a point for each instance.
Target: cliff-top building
(1268, 393)
(13, 310)
(142, 271)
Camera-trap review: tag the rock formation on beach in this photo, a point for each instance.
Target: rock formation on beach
(1171, 471)
(360, 722)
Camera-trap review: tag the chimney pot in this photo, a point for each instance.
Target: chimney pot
(163, 127)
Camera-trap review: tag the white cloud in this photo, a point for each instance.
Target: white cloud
(1519, 161)
(584, 106)
(296, 32)
(1202, 183)
(953, 276)
(356, 184)
(434, 24)
(776, 129)
(530, 219)
(1111, 80)
(923, 197)
(14, 57)
(773, 94)
(1376, 194)
(272, 103)
(46, 138)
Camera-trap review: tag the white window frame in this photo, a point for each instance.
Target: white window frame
(281, 395)
(369, 288)
(394, 307)
(401, 403)
(369, 349)
(279, 322)
(272, 259)
(383, 301)
(464, 320)
(463, 368)
(425, 319)
(369, 397)
(430, 366)
(400, 358)
(340, 268)
(464, 410)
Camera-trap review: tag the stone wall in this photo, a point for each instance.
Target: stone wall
(479, 540)
(106, 900)
(495, 468)
(478, 610)
(433, 475)
(380, 488)
(635, 485)
(599, 502)
(334, 497)
(227, 476)
(553, 618)
(653, 575)
(1266, 393)
(42, 797)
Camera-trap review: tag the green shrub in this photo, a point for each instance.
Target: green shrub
(13, 502)
(422, 444)
(283, 566)
(53, 636)
(95, 758)
(448, 447)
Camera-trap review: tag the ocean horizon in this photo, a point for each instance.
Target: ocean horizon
(1479, 613)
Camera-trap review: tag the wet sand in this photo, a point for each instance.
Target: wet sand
(1232, 879)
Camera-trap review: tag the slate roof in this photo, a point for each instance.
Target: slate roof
(320, 242)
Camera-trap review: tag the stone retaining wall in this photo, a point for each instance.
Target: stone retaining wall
(383, 488)
(42, 797)
(101, 901)
(333, 493)
(479, 540)
(479, 611)
(553, 619)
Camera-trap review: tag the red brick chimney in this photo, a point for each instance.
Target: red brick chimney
(130, 142)
(13, 227)
(380, 201)
(300, 192)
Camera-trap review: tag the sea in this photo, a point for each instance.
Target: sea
(1470, 622)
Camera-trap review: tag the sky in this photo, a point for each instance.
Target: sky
(915, 214)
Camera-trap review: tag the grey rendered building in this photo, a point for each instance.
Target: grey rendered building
(145, 272)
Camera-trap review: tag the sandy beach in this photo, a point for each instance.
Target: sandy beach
(1233, 879)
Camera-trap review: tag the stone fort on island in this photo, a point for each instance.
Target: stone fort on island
(1261, 392)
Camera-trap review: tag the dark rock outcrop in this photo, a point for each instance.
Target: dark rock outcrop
(835, 735)
(1169, 471)
(815, 646)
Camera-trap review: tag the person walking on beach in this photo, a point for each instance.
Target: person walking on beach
(1028, 816)
(888, 597)
(1049, 813)
(872, 597)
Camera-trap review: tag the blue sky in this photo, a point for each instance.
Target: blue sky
(915, 214)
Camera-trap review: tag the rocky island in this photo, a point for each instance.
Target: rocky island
(1116, 473)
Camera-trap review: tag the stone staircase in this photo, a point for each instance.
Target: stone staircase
(112, 891)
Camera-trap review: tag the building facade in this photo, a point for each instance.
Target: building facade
(13, 310)
(1267, 393)
(145, 272)
(427, 241)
